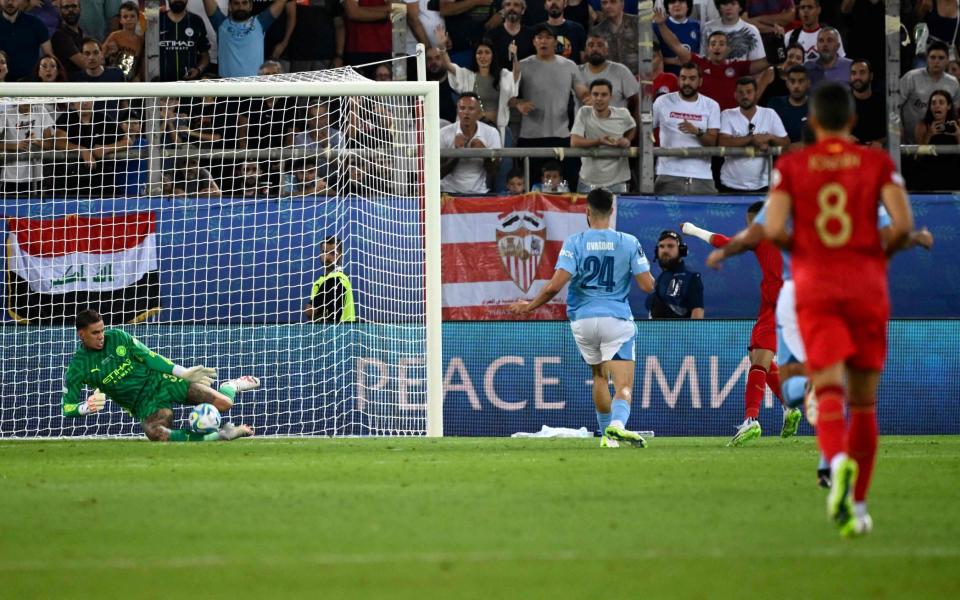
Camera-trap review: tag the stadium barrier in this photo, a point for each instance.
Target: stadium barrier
(499, 378)
(147, 153)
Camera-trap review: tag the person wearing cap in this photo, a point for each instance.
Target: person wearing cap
(665, 83)
(678, 293)
(546, 82)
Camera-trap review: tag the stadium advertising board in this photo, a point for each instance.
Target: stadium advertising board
(499, 378)
(232, 260)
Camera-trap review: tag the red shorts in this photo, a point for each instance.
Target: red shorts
(764, 336)
(852, 332)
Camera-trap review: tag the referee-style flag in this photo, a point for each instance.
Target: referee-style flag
(56, 267)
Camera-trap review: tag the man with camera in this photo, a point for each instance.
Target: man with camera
(678, 293)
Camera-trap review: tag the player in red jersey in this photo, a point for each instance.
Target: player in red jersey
(831, 190)
(763, 340)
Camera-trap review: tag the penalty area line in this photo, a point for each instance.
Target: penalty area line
(840, 550)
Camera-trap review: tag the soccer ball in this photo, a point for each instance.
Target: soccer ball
(204, 418)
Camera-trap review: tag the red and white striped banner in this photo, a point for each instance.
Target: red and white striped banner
(497, 250)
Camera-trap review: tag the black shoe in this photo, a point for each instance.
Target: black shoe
(823, 478)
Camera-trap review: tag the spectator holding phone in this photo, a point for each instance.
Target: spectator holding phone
(493, 85)
(939, 126)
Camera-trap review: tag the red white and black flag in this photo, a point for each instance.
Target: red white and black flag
(499, 250)
(57, 267)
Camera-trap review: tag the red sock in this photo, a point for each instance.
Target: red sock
(756, 386)
(718, 240)
(773, 382)
(863, 446)
(831, 429)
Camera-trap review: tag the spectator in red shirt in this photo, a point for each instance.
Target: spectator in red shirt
(719, 74)
(369, 35)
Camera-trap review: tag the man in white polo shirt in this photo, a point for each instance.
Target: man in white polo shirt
(468, 175)
(687, 119)
(603, 126)
(753, 126)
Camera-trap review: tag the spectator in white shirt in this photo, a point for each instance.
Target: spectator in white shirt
(808, 12)
(468, 175)
(917, 85)
(602, 125)
(27, 131)
(753, 126)
(687, 119)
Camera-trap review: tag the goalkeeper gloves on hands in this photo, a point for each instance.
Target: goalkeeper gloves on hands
(201, 375)
(94, 403)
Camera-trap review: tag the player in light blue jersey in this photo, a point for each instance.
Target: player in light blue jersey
(791, 354)
(598, 264)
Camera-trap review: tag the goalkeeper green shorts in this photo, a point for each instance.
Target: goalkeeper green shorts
(167, 392)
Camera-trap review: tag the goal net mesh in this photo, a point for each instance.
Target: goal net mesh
(210, 228)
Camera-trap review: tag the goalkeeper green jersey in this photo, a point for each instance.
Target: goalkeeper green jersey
(125, 370)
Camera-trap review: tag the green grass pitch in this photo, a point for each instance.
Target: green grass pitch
(467, 518)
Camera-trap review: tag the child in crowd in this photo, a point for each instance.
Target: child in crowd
(515, 183)
(124, 48)
(551, 176)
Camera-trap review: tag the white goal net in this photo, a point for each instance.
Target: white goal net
(285, 227)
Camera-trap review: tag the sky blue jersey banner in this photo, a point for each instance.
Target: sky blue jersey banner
(499, 378)
(254, 261)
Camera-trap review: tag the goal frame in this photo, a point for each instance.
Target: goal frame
(429, 91)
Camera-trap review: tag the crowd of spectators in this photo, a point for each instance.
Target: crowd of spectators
(733, 73)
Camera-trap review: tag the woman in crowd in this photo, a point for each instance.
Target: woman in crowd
(49, 70)
(3, 65)
(938, 127)
(494, 85)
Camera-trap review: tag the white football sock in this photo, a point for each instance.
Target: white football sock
(835, 462)
(860, 509)
(697, 232)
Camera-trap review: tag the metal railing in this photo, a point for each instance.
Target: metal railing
(644, 153)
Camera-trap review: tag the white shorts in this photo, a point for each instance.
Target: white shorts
(604, 338)
(789, 342)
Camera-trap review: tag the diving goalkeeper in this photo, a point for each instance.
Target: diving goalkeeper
(145, 384)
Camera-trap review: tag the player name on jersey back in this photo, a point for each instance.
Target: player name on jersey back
(600, 246)
(839, 162)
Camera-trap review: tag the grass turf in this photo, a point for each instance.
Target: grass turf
(485, 518)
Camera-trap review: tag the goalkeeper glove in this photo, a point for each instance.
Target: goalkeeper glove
(95, 403)
(200, 374)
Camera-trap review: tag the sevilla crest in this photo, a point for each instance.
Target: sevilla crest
(521, 237)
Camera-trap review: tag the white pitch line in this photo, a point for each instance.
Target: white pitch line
(840, 549)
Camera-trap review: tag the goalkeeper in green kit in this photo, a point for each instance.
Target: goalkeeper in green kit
(113, 363)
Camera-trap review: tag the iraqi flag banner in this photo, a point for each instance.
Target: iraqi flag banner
(497, 250)
(57, 267)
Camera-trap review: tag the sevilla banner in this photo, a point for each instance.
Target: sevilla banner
(497, 250)
(58, 267)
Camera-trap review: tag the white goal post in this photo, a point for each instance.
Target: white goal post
(234, 268)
